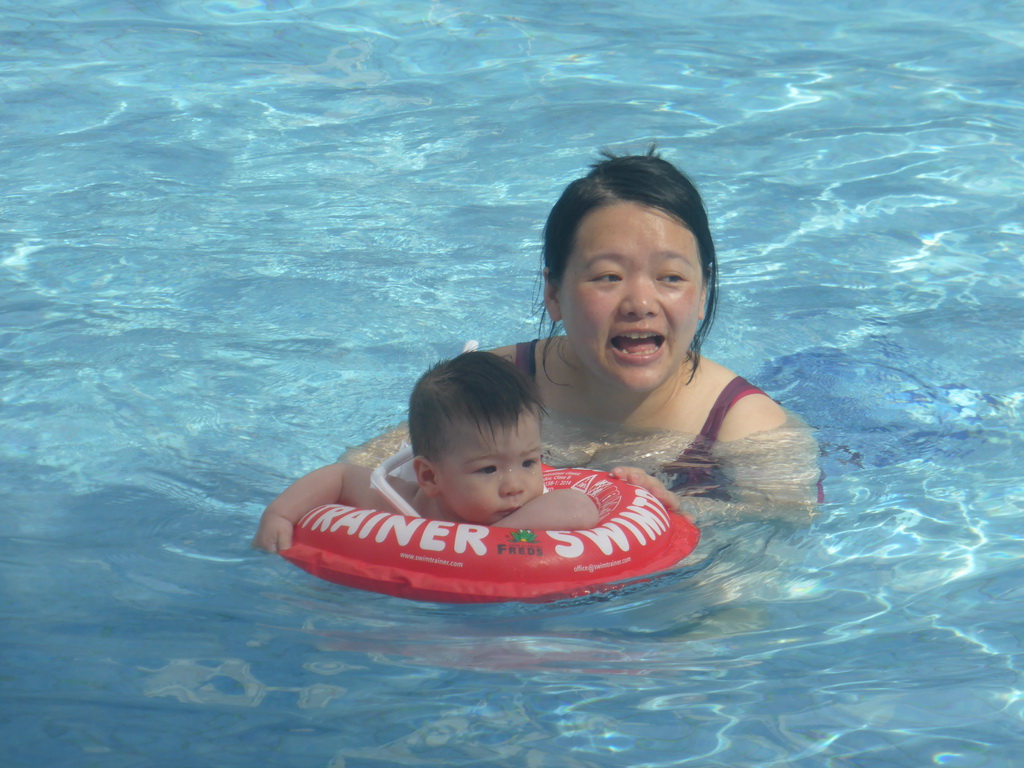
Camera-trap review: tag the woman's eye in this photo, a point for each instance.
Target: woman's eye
(607, 279)
(673, 278)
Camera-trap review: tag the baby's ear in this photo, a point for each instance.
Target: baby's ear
(426, 476)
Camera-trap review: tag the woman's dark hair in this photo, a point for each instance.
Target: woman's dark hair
(647, 180)
(476, 388)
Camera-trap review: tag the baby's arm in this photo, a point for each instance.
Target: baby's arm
(333, 484)
(568, 509)
(563, 510)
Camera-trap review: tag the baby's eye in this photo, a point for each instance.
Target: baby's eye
(530, 463)
(488, 470)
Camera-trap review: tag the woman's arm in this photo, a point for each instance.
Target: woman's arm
(772, 474)
(376, 449)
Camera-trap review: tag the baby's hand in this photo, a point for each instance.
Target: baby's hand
(274, 534)
(649, 483)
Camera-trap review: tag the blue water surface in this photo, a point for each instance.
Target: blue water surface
(234, 232)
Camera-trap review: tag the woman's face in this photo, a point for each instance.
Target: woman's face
(631, 296)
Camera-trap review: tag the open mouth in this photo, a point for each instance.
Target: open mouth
(640, 343)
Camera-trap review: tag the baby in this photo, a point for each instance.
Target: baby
(474, 424)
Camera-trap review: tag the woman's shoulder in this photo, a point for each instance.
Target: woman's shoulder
(508, 352)
(524, 355)
(520, 355)
(751, 411)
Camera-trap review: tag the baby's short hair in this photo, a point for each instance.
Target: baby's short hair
(478, 388)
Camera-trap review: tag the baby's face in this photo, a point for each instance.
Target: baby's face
(487, 477)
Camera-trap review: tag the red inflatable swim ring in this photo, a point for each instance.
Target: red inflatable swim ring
(421, 559)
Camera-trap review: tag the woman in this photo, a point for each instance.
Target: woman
(630, 275)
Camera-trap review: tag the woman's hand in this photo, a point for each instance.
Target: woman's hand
(649, 483)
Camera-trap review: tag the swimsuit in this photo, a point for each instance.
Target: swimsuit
(694, 466)
(738, 388)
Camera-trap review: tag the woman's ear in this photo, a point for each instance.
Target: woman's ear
(426, 476)
(551, 303)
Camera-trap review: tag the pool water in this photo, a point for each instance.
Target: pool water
(235, 232)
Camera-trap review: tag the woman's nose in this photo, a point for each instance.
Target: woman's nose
(638, 299)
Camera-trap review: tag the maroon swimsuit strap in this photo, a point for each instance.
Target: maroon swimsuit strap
(733, 391)
(526, 360)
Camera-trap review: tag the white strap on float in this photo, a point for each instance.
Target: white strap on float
(400, 466)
